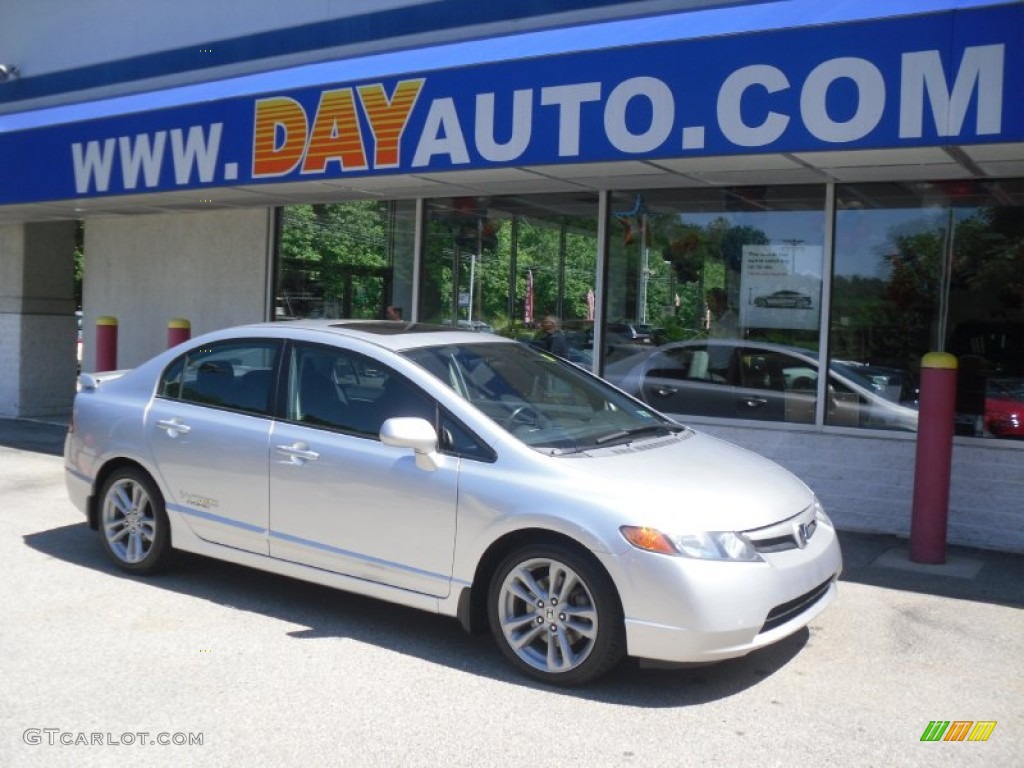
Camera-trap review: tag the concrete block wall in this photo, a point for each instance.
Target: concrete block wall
(986, 496)
(208, 267)
(37, 321)
(866, 480)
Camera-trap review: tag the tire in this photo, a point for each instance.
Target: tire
(567, 636)
(133, 523)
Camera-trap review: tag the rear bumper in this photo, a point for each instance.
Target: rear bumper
(79, 490)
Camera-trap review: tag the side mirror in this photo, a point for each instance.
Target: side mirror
(415, 433)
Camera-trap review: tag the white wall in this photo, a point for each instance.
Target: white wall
(43, 37)
(866, 480)
(210, 268)
(120, 29)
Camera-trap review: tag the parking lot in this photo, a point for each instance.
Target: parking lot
(234, 667)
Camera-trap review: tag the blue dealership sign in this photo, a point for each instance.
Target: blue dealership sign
(935, 79)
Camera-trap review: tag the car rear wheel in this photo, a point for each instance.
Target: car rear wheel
(556, 615)
(133, 523)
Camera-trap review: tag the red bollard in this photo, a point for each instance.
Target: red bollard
(106, 343)
(934, 458)
(178, 330)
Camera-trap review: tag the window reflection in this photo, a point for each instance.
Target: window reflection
(933, 266)
(504, 264)
(345, 260)
(714, 300)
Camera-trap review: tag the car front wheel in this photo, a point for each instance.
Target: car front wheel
(133, 523)
(556, 615)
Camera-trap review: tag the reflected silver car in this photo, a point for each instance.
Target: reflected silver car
(462, 474)
(736, 378)
(784, 300)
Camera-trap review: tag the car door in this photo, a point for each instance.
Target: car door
(774, 386)
(209, 428)
(342, 500)
(692, 379)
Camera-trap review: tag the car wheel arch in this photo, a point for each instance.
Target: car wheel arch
(472, 604)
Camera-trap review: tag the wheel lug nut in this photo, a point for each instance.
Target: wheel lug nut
(540, 620)
(540, 603)
(561, 617)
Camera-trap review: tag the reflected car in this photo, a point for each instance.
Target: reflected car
(471, 325)
(455, 472)
(1004, 407)
(630, 331)
(784, 299)
(735, 378)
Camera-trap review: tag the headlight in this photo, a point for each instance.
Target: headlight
(703, 545)
(819, 514)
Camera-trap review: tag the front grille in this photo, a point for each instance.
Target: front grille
(780, 614)
(794, 533)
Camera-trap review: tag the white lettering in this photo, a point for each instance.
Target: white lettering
(196, 151)
(870, 99)
(93, 166)
(442, 135)
(141, 154)
(568, 99)
(730, 115)
(981, 69)
(522, 123)
(662, 110)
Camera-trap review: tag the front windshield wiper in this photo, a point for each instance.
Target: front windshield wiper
(636, 431)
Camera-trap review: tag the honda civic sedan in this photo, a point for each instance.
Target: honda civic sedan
(459, 473)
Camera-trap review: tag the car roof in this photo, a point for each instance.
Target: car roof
(389, 334)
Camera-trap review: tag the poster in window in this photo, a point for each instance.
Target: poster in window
(780, 286)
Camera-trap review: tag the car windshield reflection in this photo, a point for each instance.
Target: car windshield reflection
(545, 402)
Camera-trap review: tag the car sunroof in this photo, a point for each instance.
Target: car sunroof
(392, 328)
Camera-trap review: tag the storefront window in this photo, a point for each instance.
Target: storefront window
(714, 300)
(932, 266)
(504, 264)
(345, 260)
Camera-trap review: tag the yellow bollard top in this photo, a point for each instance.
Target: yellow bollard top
(179, 322)
(106, 320)
(939, 360)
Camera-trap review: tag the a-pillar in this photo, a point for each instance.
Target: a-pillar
(37, 319)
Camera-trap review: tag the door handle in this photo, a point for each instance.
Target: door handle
(299, 453)
(665, 391)
(173, 427)
(753, 402)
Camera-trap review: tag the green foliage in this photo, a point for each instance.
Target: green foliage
(554, 249)
(322, 246)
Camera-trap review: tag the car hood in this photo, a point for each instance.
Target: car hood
(692, 482)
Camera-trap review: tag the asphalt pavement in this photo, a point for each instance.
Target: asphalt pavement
(234, 666)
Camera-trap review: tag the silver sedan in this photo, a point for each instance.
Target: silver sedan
(461, 474)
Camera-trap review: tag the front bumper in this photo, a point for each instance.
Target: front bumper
(682, 610)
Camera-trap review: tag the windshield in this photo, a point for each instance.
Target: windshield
(546, 402)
